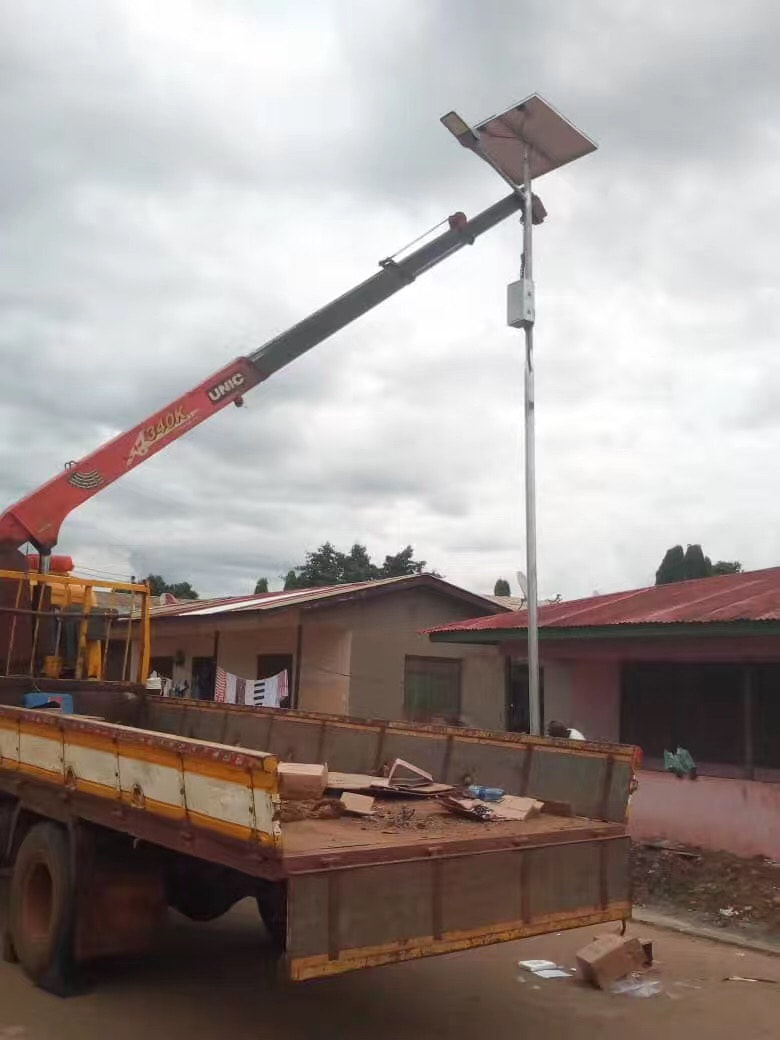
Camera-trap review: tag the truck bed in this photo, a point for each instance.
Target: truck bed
(430, 826)
(200, 779)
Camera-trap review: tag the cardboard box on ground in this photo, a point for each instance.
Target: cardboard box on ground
(609, 958)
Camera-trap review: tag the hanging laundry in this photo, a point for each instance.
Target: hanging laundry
(268, 693)
(258, 693)
(229, 688)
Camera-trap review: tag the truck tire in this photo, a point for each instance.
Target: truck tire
(272, 903)
(42, 908)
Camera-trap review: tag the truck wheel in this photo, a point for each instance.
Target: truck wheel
(272, 903)
(42, 908)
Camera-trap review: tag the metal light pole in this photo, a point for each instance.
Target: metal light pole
(526, 141)
(528, 319)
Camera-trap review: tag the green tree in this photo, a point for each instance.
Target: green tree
(401, 565)
(356, 565)
(685, 566)
(502, 588)
(180, 589)
(261, 585)
(727, 567)
(672, 566)
(325, 566)
(328, 566)
(697, 565)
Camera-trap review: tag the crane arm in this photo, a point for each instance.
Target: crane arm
(37, 518)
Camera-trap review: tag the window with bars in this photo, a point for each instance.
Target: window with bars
(432, 689)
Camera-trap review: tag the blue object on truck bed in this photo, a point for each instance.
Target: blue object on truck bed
(43, 700)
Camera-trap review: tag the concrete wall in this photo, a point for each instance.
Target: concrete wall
(386, 629)
(585, 695)
(353, 655)
(326, 663)
(740, 816)
(558, 700)
(596, 698)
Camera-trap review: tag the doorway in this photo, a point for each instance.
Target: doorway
(204, 675)
(518, 716)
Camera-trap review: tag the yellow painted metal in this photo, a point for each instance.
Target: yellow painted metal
(146, 636)
(256, 770)
(302, 968)
(67, 591)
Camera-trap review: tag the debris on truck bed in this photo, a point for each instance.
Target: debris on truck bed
(400, 786)
(404, 774)
(310, 809)
(357, 804)
(508, 807)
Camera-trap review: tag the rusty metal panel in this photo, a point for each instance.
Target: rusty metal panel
(354, 917)
(618, 870)
(164, 716)
(350, 749)
(426, 750)
(122, 707)
(563, 877)
(247, 729)
(205, 724)
(307, 915)
(381, 904)
(753, 596)
(566, 776)
(488, 764)
(478, 891)
(294, 740)
(593, 778)
(617, 797)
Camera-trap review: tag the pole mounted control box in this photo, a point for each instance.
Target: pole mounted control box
(520, 303)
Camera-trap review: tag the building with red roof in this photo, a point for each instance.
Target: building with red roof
(344, 649)
(694, 664)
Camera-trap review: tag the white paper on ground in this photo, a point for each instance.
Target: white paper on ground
(544, 969)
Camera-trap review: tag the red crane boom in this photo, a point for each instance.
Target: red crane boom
(38, 517)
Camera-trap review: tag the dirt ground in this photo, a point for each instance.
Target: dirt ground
(219, 980)
(714, 888)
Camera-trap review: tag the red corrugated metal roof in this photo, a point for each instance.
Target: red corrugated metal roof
(754, 596)
(267, 601)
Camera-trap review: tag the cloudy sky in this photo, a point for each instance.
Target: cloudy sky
(181, 181)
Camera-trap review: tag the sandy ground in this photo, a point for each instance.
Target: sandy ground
(219, 981)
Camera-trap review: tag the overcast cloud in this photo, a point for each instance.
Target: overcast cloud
(181, 181)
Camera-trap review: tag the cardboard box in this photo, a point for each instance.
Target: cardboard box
(512, 807)
(359, 804)
(300, 780)
(608, 958)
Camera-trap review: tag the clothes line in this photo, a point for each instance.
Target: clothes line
(273, 692)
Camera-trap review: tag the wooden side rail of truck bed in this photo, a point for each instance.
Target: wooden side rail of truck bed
(181, 808)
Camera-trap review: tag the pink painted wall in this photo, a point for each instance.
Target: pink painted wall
(595, 699)
(739, 816)
(584, 694)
